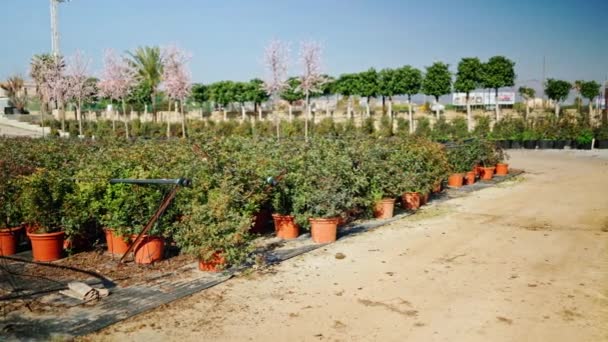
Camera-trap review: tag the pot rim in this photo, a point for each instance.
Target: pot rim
(10, 230)
(45, 235)
(324, 220)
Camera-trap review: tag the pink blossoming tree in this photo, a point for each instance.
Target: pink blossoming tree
(177, 80)
(54, 85)
(276, 59)
(79, 88)
(311, 79)
(117, 82)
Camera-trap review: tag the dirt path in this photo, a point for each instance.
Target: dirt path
(525, 261)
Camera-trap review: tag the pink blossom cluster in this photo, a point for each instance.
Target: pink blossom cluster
(118, 77)
(176, 76)
(276, 59)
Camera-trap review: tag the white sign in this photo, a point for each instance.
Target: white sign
(483, 98)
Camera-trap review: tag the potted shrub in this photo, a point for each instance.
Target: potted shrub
(546, 133)
(380, 165)
(489, 156)
(529, 138)
(459, 157)
(601, 136)
(584, 139)
(284, 223)
(42, 200)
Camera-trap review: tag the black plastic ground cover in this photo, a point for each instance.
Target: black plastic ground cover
(68, 317)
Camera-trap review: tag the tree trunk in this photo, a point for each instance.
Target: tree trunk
(383, 105)
(290, 110)
(62, 115)
(183, 119)
(260, 112)
(327, 107)
(79, 115)
(410, 113)
(590, 108)
(243, 113)
(437, 111)
(307, 117)
(124, 113)
(225, 113)
(169, 122)
(556, 109)
(496, 105)
(367, 110)
(527, 109)
(154, 117)
(390, 107)
(469, 115)
(349, 107)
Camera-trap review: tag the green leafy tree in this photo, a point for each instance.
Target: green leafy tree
(327, 89)
(409, 81)
(387, 85)
(557, 90)
(437, 81)
(498, 72)
(347, 86)
(578, 86)
(258, 95)
(241, 95)
(149, 65)
(590, 90)
(222, 94)
(292, 93)
(468, 78)
(527, 94)
(368, 87)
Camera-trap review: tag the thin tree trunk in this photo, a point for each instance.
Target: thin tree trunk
(496, 105)
(260, 112)
(469, 115)
(62, 115)
(437, 111)
(113, 114)
(349, 107)
(124, 113)
(590, 109)
(556, 109)
(410, 113)
(383, 105)
(183, 119)
(290, 111)
(79, 115)
(307, 117)
(243, 114)
(390, 107)
(154, 117)
(367, 110)
(169, 122)
(225, 113)
(527, 109)
(327, 107)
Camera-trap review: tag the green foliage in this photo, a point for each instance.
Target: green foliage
(498, 72)
(223, 93)
(403, 127)
(590, 90)
(557, 90)
(482, 127)
(527, 92)
(438, 80)
(469, 75)
(368, 83)
(292, 92)
(423, 127)
(408, 81)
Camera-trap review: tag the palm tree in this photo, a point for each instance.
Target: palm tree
(15, 91)
(149, 64)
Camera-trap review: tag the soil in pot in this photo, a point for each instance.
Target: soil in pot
(502, 169)
(470, 177)
(545, 144)
(285, 226)
(47, 247)
(384, 208)
(216, 264)
(603, 144)
(410, 200)
(116, 243)
(455, 180)
(149, 250)
(323, 230)
(530, 144)
(488, 173)
(9, 238)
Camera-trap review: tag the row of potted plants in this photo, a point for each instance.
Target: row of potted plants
(58, 188)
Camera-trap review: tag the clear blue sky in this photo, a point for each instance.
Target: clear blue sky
(227, 37)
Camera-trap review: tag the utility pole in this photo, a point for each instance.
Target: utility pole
(55, 27)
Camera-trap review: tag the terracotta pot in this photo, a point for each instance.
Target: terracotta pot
(285, 226)
(424, 199)
(216, 263)
(488, 173)
(455, 180)
(47, 247)
(502, 169)
(116, 244)
(149, 250)
(470, 177)
(323, 230)
(9, 238)
(384, 208)
(478, 170)
(437, 188)
(410, 200)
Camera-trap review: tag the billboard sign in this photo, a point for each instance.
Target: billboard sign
(483, 98)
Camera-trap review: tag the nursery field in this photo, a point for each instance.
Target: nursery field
(525, 260)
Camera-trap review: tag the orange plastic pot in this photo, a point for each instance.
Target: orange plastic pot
(470, 177)
(502, 169)
(487, 173)
(323, 230)
(384, 208)
(116, 244)
(478, 170)
(216, 263)
(8, 240)
(47, 247)
(149, 250)
(410, 200)
(424, 199)
(285, 226)
(455, 180)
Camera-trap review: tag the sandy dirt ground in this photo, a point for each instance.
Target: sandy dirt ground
(524, 261)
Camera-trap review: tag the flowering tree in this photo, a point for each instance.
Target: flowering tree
(311, 79)
(53, 84)
(176, 79)
(79, 88)
(117, 81)
(276, 59)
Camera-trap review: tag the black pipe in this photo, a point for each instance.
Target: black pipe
(179, 181)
